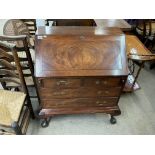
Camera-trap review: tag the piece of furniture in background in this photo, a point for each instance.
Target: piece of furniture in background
(144, 29)
(15, 27)
(15, 107)
(73, 70)
(117, 23)
(139, 54)
(25, 59)
(31, 24)
(72, 22)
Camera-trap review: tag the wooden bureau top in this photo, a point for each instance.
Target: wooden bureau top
(80, 51)
(76, 30)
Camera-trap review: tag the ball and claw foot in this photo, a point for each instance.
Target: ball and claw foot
(113, 120)
(45, 123)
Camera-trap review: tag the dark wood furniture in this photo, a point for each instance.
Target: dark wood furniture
(137, 53)
(15, 107)
(117, 23)
(72, 22)
(80, 70)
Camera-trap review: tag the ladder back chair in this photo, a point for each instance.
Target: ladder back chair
(25, 60)
(31, 24)
(15, 106)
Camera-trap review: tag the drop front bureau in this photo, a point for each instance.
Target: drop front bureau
(79, 70)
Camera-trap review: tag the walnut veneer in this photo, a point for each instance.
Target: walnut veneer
(80, 69)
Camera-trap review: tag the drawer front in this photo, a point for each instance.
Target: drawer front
(79, 93)
(59, 83)
(102, 82)
(79, 102)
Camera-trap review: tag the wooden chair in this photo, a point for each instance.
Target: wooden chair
(145, 30)
(31, 24)
(147, 35)
(15, 27)
(25, 60)
(137, 54)
(72, 22)
(15, 107)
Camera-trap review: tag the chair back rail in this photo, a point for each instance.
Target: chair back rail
(31, 24)
(26, 62)
(10, 72)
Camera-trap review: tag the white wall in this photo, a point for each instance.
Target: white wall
(2, 22)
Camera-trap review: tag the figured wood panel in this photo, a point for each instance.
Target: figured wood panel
(80, 55)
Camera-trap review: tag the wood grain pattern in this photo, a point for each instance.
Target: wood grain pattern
(80, 92)
(78, 55)
(79, 102)
(80, 69)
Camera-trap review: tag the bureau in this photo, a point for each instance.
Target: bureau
(79, 70)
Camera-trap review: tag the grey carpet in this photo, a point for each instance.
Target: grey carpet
(138, 115)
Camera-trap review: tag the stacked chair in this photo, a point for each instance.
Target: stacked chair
(17, 32)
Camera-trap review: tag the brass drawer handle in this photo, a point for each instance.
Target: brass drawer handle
(39, 82)
(58, 104)
(105, 82)
(98, 82)
(59, 93)
(106, 92)
(100, 92)
(62, 82)
(101, 102)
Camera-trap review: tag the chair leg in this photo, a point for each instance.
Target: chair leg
(16, 128)
(36, 88)
(29, 105)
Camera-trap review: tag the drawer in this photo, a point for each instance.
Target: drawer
(100, 82)
(59, 83)
(79, 102)
(79, 93)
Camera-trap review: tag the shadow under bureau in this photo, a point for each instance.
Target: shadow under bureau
(79, 70)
